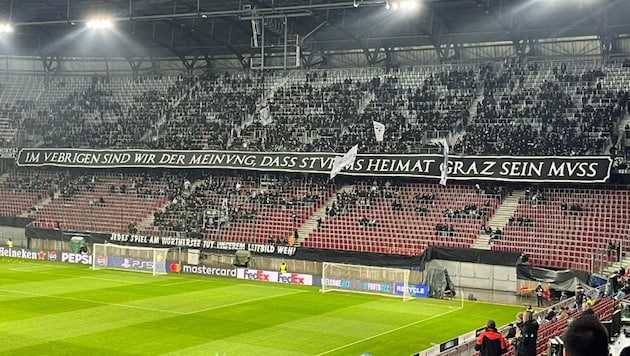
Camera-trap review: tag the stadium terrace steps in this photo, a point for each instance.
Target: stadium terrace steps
(40, 205)
(310, 225)
(472, 111)
(499, 219)
(614, 267)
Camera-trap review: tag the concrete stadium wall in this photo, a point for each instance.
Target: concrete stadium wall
(16, 234)
(273, 264)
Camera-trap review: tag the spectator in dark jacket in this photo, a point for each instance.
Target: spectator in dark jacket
(526, 345)
(490, 342)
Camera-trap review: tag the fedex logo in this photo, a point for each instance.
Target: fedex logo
(292, 278)
(258, 275)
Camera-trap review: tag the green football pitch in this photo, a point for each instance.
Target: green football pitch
(61, 309)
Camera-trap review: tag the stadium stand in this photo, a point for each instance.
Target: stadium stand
(572, 224)
(517, 108)
(534, 109)
(104, 202)
(245, 208)
(405, 218)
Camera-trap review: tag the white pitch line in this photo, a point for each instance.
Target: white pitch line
(241, 302)
(386, 332)
(148, 308)
(176, 283)
(93, 301)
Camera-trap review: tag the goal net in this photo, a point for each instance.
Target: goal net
(392, 282)
(129, 258)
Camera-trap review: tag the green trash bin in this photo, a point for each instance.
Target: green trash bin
(76, 242)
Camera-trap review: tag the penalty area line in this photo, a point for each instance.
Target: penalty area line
(92, 301)
(241, 302)
(388, 332)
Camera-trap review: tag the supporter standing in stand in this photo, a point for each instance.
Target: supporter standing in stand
(539, 295)
(515, 329)
(579, 296)
(526, 343)
(490, 342)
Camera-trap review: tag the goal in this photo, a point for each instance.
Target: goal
(129, 258)
(392, 282)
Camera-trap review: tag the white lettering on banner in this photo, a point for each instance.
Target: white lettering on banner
(76, 258)
(210, 271)
(227, 245)
(262, 248)
(199, 243)
(585, 169)
(21, 253)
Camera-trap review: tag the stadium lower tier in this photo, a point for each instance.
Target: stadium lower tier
(565, 227)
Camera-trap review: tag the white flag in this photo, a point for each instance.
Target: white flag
(444, 175)
(344, 162)
(225, 207)
(265, 116)
(379, 131)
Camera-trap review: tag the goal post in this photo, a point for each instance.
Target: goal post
(391, 282)
(130, 258)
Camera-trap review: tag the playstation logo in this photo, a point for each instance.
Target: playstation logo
(126, 263)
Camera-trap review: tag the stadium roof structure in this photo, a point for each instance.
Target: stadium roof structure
(204, 28)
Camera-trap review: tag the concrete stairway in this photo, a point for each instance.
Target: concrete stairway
(311, 224)
(614, 267)
(40, 204)
(499, 219)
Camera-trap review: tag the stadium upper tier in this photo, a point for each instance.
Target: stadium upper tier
(514, 108)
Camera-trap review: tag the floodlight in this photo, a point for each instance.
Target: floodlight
(6, 28)
(99, 24)
(401, 4)
(408, 4)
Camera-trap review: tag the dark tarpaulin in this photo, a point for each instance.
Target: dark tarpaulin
(11, 221)
(488, 257)
(358, 258)
(546, 275)
(64, 235)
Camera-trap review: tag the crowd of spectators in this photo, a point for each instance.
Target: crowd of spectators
(469, 211)
(92, 116)
(522, 115)
(206, 202)
(525, 109)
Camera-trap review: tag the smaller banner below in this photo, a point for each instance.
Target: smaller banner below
(8, 153)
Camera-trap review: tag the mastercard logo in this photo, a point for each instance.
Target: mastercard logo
(174, 267)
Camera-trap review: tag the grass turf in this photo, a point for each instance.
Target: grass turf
(61, 309)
